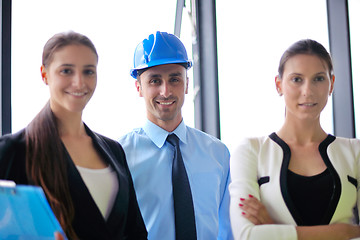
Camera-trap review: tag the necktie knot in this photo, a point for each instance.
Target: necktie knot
(173, 139)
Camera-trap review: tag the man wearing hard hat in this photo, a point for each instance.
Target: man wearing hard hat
(180, 174)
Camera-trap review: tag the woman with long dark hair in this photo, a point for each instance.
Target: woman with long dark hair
(84, 175)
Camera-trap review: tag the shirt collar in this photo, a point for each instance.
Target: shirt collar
(159, 135)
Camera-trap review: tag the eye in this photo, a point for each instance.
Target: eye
(296, 79)
(89, 72)
(155, 81)
(174, 80)
(319, 79)
(66, 71)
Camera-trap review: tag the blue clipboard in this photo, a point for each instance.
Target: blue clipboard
(25, 213)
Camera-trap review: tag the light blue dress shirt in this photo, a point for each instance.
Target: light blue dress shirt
(206, 160)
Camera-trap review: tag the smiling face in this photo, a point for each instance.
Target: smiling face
(163, 88)
(71, 77)
(306, 85)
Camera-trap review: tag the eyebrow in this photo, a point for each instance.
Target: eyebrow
(176, 74)
(73, 65)
(67, 65)
(321, 73)
(90, 65)
(300, 74)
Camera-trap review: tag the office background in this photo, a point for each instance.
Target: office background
(235, 45)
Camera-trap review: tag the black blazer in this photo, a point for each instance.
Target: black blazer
(125, 220)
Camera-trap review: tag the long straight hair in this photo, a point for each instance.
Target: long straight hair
(46, 163)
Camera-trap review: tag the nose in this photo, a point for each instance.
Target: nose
(307, 89)
(165, 89)
(78, 80)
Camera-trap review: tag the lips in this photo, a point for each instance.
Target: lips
(166, 103)
(77, 94)
(307, 104)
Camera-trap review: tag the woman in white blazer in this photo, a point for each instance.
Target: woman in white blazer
(298, 182)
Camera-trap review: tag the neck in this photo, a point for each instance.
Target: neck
(302, 132)
(169, 126)
(70, 124)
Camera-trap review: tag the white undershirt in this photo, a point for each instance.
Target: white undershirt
(103, 186)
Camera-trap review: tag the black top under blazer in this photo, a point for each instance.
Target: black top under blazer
(125, 220)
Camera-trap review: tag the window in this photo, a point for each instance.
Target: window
(354, 18)
(252, 35)
(115, 27)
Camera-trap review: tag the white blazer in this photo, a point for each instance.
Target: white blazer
(258, 166)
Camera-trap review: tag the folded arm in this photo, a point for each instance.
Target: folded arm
(255, 212)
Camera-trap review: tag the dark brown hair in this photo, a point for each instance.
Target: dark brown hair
(306, 46)
(46, 163)
(61, 40)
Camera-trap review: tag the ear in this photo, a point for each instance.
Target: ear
(278, 85)
(138, 87)
(332, 82)
(43, 74)
(187, 85)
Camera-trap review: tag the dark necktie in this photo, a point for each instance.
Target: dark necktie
(185, 228)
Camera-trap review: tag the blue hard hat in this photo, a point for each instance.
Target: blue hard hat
(158, 49)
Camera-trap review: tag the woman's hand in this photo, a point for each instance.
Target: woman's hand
(255, 211)
(58, 236)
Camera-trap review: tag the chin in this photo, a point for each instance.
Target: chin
(76, 109)
(166, 119)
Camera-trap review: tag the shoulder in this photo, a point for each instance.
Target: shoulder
(112, 143)
(253, 144)
(203, 137)
(342, 141)
(248, 150)
(12, 149)
(107, 144)
(135, 140)
(346, 145)
(9, 140)
(207, 145)
(246, 157)
(104, 138)
(101, 139)
(135, 133)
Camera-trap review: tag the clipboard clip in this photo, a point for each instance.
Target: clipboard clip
(7, 183)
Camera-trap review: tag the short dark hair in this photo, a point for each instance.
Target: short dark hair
(140, 71)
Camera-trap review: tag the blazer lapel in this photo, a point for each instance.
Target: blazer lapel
(111, 154)
(88, 218)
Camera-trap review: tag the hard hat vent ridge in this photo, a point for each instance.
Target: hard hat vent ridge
(158, 49)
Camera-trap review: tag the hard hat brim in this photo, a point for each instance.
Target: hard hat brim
(133, 72)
